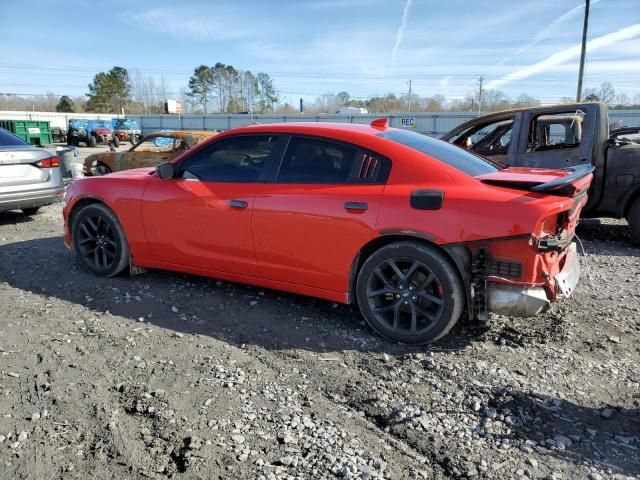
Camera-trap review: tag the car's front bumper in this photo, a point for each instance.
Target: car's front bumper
(30, 199)
(520, 301)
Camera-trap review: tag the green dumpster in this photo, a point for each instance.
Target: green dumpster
(32, 131)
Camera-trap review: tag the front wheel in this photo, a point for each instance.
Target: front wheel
(101, 169)
(99, 240)
(634, 221)
(93, 141)
(410, 293)
(116, 142)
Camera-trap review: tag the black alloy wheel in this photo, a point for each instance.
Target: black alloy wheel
(405, 295)
(99, 240)
(101, 169)
(410, 293)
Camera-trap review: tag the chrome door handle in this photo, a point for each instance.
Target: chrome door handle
(238, 204)
(359, 206)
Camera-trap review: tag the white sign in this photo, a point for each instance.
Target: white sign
(407, 122)
(33, 130)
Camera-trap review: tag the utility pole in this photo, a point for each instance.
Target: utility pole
(409, 95)
(583, 53)
(480, 80)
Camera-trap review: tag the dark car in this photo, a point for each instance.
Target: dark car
(29, 176)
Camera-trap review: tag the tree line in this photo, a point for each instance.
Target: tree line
(224, 88)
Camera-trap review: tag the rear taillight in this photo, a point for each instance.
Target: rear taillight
(50, 162)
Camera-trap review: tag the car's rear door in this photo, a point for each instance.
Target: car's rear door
(202, 217)
(555, 138)
(310, 222)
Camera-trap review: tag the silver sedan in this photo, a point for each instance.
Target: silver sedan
(30, 177)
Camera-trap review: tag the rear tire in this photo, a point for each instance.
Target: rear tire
(93, 142)
(30, 211)
(410, 293)
(633, 218)
(99, 241)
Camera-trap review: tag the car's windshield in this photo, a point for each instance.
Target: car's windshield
(126, 124)
(102, 124)
(458, 158)
(7, 139)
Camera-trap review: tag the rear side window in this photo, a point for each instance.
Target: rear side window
(235, 159)
(8, 139)
(310, 160)
(452, 155)
(555, 131)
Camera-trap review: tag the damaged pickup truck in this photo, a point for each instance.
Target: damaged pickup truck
(563, 136)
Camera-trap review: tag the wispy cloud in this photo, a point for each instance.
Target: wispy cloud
(562, 56)
(400, 34)
(332, 4)
(547, 30)
(189, 24)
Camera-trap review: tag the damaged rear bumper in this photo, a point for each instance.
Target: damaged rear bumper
(520, 301)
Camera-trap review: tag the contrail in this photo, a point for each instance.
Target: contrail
(403, 23)
(544, 33)
(562, 56)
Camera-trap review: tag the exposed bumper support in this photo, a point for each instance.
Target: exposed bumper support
(515, 301)
(519, 301)
(567, 279)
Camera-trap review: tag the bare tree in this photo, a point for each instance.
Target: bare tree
(606, 92)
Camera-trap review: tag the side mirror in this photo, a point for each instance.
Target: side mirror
(165, 170)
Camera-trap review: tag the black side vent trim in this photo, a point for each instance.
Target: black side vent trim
(504, 268)
(427, 199)
(367, 168)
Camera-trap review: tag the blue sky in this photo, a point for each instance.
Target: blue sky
(365, 47)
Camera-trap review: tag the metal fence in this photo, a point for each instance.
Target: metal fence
(431, 123)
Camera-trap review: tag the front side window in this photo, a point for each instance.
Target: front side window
(310, 160)
(494, 139)
(236, 159)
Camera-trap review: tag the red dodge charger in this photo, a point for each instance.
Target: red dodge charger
(413, 229)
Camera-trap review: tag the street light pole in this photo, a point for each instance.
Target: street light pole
(583, 53)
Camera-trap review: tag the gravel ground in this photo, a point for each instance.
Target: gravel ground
(169, 376)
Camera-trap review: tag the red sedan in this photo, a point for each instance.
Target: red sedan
(413, 229)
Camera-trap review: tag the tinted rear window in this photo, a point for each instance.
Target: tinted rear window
(10, 140)
(452, 155)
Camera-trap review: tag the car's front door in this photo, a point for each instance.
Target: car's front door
(309, 224)
(202, 217)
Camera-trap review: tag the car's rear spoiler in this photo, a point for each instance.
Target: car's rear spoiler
(576, 173)
(568, 185)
